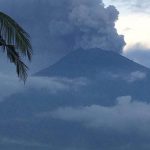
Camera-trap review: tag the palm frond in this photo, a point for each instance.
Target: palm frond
(14, 57)
(14, 34)
(15, 41)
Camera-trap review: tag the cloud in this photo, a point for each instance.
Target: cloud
(138, 5)
(125, 116)
(62, 26)
(128, 77)
(136, 76)
(53, 85)
(135, 5)
(125, 125)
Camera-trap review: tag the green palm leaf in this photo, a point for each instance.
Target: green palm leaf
(15, 41)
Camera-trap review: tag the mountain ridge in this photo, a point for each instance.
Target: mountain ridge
(91, 60)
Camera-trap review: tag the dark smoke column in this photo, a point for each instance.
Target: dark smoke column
(87, 24)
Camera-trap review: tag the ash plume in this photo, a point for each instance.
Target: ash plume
(57, 27)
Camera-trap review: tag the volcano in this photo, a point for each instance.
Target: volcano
(89, 63)
(109, 75)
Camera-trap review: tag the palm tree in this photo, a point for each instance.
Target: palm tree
(15, 42)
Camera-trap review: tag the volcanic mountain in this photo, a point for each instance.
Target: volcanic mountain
(89, 63)
(108, 75)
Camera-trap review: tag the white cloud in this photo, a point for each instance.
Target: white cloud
(55, 84)
(11, 85)
(136, 76)
(128, 77)
(126, 115)
(133, 5)
(133, 22)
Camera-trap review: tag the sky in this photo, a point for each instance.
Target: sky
(133, 23)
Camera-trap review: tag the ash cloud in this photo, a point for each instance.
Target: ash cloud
(57, 27)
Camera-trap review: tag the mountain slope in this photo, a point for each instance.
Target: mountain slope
(89, 62)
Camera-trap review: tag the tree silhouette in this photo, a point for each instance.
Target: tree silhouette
(14, 40)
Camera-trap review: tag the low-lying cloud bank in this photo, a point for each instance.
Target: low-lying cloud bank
(126, 116)
(52, 85)
(83, 125)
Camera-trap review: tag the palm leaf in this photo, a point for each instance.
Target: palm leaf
(15, 35)
(15, 41)
(14, 57)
